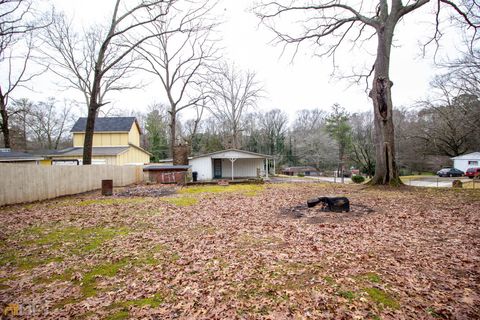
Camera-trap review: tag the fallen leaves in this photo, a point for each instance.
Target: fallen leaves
(232, 252)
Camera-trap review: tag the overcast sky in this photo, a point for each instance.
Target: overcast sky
(305, 82)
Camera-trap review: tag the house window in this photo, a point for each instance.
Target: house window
(473, 163)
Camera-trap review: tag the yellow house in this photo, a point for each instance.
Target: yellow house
(116, 140)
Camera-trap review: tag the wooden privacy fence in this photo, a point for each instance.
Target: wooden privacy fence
(25, 183)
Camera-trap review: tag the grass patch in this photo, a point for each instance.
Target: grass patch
(370, 277)
(109, 201)
(329, 280)
(104, 270)
(119, 315)
(65, 276)
(153, 302)
(246, 189)
(382, 298)
(200, 230)
(97, 201)
(78, 240)
(416, 176)
(44, 246)
(25, 262)
(431, 311)
(181, 201)
(257, 240)
(350, 295)
(278, 282)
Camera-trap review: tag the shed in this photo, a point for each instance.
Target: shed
(166, 173)
(231, 164)
(466, 161)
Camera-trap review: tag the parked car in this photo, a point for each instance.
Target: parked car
(450, 172)
(472, 172)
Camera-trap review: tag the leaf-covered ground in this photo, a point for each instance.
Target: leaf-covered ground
(235, 252)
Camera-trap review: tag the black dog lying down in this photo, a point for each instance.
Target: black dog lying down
(335, 204)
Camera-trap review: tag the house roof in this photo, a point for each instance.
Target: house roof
(107, 124)
(212, 154)
(8, 155)
(469, 156)
(96, 151)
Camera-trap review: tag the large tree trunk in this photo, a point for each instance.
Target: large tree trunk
(5, 129)
(386, 172)
(5, 124)
(89, 131)
(91, 116)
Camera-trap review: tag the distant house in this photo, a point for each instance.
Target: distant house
(466, 161)
(228, 164)
(306, 170)
(116, 140)
(9, 156)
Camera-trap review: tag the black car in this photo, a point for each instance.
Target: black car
(450, 172)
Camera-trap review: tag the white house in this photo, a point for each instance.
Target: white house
(231, 164)
(466, 161)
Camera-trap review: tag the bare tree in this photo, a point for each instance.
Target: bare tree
(16, 44)
(233, 93)
(345, 23)
(362, 149)
(273, 126)
(462, 74)
(309, 142)
(180, 59)
(49, 123)
(96, 62)
(450, 128)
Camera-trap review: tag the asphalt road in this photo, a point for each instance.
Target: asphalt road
(428, 182)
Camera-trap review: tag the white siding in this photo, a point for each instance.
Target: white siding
(463, 164)
(241, 168)
(203, 166)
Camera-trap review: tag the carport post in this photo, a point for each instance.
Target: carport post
(266, 168)
(232, 160)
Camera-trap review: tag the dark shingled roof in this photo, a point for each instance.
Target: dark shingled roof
(6, 155)
(106, 124)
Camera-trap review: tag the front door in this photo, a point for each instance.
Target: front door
(217, 168)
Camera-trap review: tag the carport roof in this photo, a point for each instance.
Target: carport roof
(469, 156)
(213, 154)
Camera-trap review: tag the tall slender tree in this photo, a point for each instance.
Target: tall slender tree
(181, 59)
(233, 93)
(338, 127)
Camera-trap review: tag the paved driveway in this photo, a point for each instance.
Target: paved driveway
(434, 182)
